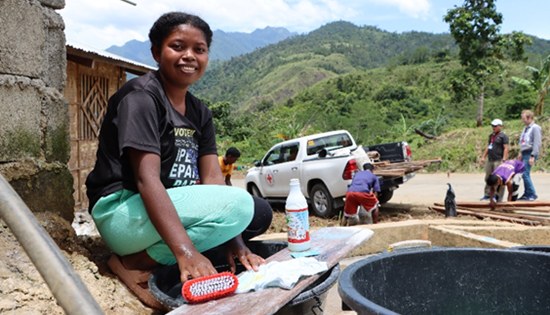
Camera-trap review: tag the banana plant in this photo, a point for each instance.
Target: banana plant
(539, 82)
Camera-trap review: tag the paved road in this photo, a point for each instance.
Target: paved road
(429, 188)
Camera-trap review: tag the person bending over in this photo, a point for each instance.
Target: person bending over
(363, 191)
(506, 174)
(227, 162)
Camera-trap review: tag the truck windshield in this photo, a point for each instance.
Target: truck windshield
(331, 142)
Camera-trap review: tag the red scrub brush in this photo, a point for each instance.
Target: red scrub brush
(208, 288)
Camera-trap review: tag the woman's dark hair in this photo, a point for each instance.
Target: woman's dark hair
(168, 21)
(491, 180)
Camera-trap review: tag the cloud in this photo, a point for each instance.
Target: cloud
(112, 22)
(102, 23)
(413, 8)
(246, 15)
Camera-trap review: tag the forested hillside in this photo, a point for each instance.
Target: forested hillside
(386, 105)
(381, 86)
(379, 105)
(275, 73)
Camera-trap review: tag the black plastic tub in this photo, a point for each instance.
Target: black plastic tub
(539, 248)
(449, 281)
(165, 283)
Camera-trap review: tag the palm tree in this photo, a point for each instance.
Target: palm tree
(540, 82)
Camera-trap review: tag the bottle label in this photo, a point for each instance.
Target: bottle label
(298, 225)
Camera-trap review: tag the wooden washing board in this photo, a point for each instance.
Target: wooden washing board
(332, 243)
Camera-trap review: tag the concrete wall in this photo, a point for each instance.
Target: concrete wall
(34, 137)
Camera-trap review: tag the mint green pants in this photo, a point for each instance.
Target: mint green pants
(211, 215)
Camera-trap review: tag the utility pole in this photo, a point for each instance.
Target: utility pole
(130, 2)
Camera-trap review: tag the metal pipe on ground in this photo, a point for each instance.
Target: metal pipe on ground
(64, 283)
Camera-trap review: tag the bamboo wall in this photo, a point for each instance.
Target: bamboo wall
(87, 92)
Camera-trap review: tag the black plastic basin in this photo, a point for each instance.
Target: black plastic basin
(449, 281)
(539, 248)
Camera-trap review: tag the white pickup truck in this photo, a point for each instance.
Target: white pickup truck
(324, 163)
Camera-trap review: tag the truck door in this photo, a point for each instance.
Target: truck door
(280, 165)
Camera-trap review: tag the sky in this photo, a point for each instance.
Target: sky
(102, 23)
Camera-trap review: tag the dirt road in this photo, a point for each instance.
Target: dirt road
(425, 190)
(429, 188)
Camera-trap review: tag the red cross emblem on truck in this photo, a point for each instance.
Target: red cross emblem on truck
(269, 179)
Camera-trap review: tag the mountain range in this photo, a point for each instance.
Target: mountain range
(275, 73)
(225, 45)
(379, 85)
(271, 66)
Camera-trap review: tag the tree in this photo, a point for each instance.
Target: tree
(221, 115)
(475, 28)
(514, 45)
(540, 82)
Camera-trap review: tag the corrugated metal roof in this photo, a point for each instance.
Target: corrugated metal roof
(124, 62)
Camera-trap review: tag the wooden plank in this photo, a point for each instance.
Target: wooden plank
(421, 163)
(399, 169)
(508, 214)
(534, 213)
(542, 210)
(333, 244)
(504, 204)
(380, 164)
(490, 216)
(389, 173)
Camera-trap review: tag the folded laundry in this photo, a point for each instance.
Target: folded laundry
(283, 274)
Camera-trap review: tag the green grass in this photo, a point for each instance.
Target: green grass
(461, 149)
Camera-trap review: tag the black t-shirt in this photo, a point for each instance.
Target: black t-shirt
(140, 116)
(495, 144)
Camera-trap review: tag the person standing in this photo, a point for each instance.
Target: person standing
(495, 152)
(530, 143)
(227, 163)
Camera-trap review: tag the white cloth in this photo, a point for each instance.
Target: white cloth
(283, 274)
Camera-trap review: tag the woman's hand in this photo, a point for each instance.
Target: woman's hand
(247, 258)
(237, 249)
(193, 265)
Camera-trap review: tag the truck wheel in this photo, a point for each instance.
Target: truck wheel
(254, 191)
(385, 195)
(322, 203)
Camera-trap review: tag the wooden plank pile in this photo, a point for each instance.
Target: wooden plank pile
(399, 169)
(531, 213)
